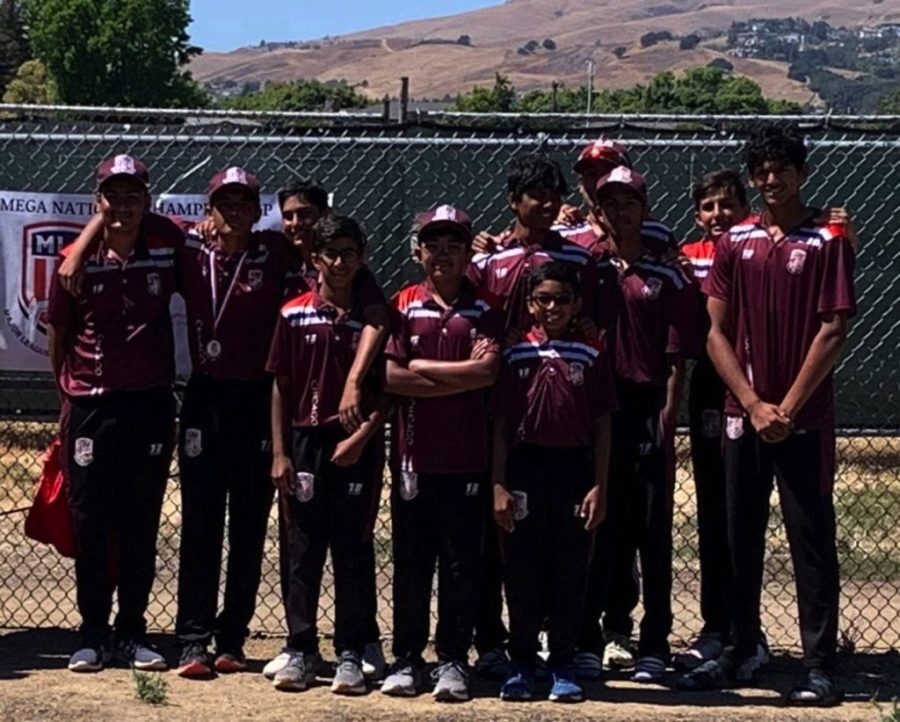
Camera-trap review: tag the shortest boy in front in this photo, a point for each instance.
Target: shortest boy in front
(551, 460)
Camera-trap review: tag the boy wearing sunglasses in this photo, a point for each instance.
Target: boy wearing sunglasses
(550, 462)
(329, 478)
(443, 353)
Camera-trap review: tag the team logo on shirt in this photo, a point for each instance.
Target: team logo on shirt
(747, 253)
(304, 486)
(576, 373)
(500, 272)
(734, 427)
(409, 485)
(193, 443)
(651, 288)
(84, 451)
(796, 261)
(154, 285)
(711, 421)
(255, 279)
(414, 341)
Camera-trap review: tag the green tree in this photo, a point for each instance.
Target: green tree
(31, 85)
(499, 99)
(124, 53)
(13, 45)
(890, 103)
(299, 96)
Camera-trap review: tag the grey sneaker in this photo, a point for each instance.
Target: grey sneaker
(402, 681)
(87, 659)
(373, 664)
(297, 674)
(451, 683)
(748, 669)
(348, 675)
(140, 656)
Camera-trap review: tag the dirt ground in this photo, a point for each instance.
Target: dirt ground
(34, 685)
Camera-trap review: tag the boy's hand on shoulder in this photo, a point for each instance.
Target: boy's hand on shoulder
(569, 215)
(71, 274)
(282, 472)
(593, 508)
(347, 452)
(484, 242)
(503, 508)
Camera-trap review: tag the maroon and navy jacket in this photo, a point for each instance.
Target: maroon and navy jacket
(445, 434)
(655, 316)
(119, 328)
(700, 255)
(552, 391)
(778, 293)
(314, 346)
(505, 273)
(251, 302)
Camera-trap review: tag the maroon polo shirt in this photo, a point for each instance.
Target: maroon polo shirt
(446, 434)
(119, 328)
(777, 294)
(655, 316)
(551, 392)
(250, 289)
(314, 346)
(505, 273)
(657, 237)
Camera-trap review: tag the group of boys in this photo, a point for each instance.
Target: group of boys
(534, 376)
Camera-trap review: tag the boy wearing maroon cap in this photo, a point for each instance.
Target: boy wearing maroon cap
(329, 478)
(654, 328)
(443, 353)
(112, 355)
(233, 286)
(780, 298)
(550, 463)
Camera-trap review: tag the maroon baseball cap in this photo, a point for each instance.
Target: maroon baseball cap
(624, 176)
(602, 150)
(446, 217)
(122, 165)
(233, 176)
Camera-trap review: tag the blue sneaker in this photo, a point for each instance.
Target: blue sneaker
(519, 685)
(565, 688)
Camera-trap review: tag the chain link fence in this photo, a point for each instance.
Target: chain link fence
(382, 173)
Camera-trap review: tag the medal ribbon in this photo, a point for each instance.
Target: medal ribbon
(214, 287)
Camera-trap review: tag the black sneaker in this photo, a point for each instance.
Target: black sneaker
(194, 662)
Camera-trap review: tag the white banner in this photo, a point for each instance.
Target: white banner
(33, 229)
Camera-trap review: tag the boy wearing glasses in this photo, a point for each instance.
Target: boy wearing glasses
(442, 355)
(329, 478)
(655, 326)
(550, 462)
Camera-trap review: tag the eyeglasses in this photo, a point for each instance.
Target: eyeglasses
(347, 255)
(545, 300)
(435, 247)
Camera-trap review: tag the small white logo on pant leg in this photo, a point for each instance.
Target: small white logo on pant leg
(84, 451)
(712, 423)
(734, 427)
(265, 445)
(520, 505)
(193, 442)
(472, 489)
(409, 485)
(354, 489)
(156, 449)
(304, 486)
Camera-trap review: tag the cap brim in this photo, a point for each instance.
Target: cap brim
(225, 186)
(130, 176)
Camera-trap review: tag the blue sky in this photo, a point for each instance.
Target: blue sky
(229, 24)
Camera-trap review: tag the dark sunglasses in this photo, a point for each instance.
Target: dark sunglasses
(544, 300)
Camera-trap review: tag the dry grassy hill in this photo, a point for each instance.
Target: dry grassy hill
(581, 29)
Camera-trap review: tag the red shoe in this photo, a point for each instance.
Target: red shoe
(229, 662)
(195, 662)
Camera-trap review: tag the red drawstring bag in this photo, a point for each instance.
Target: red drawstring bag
(49, 520)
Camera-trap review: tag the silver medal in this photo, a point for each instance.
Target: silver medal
(214, 349)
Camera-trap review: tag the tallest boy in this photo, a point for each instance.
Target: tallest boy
(780, 298)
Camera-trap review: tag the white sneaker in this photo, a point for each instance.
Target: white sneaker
(373, 664)
(86, 659)
(141, 657)
(298, 673)
(617, 654)
(274, 666)
(402, 681)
